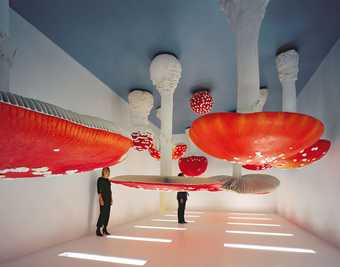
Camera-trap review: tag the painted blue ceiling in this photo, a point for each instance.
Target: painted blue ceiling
(116, 40)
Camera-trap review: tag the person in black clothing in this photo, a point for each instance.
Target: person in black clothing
(105, 201)
(182, 199)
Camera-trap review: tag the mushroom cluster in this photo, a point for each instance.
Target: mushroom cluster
(177, 152)
(142, 140)
(201, 102)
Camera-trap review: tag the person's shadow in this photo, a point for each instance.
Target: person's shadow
(92, 201)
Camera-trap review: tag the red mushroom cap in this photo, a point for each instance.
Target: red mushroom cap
(155, 153)
(254, 138)
(201, 102)
(305, 156)
(193, 165)
(142, 140)
(36, 144)
(179, 150)
(259, 167)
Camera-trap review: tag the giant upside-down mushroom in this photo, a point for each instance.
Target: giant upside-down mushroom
(247, 184)
(40, 139)
(254, 138)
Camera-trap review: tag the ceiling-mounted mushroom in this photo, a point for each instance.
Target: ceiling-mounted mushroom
(41, 139)
(193, 165)
(201, 102)
(254, 138)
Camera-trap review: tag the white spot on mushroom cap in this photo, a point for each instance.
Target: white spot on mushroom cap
(56, 150)
(19, 169)
(41, 169)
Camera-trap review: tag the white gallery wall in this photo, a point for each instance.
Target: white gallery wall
(310, 196)
(41, 212)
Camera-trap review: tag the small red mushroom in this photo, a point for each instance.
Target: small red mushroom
(201, 102)
(179, 150)
(193, 165)
(142, 141)
(154, 152)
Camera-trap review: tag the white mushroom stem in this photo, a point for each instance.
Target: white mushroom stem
(287, 65)
(140, 105)
(262, 100)
(166, 133)
(165, 72)
(245, 18)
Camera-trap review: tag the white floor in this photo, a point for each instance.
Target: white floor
(203, 243)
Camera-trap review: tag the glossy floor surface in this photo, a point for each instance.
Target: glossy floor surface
(209, 239)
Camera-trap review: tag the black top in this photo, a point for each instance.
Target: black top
(104, 188)
(182, 195)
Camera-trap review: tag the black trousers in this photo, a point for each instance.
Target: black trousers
(104, 216)
(181, 209)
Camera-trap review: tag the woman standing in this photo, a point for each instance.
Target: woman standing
(105, 201)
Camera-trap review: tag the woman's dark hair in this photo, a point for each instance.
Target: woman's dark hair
(105, 170)
(180, 174)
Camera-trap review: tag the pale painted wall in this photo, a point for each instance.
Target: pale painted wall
(219, 200)
(37, 213)
(310, 196)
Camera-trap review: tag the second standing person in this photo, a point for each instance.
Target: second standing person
(182, 197)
